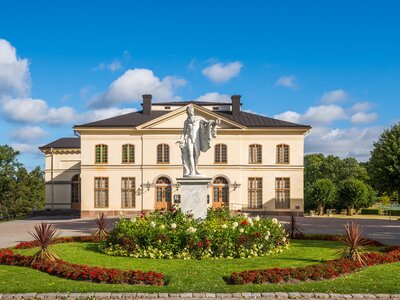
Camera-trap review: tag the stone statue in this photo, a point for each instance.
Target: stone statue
(196, 137)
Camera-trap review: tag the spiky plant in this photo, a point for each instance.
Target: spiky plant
(102, 232)
(354, 243)
(294, 229)
(44, 235)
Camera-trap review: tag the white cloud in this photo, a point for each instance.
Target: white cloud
(28, 133)
(34, 111)
(214, 97)
(130, 87)
(28, 110)
(334, 96)
(323, 114)
(192, 65)
(14, 72)
(26, 148)
(289, 116)
(114, 66)
(286, 81)
(355, 142)
(315, 115)
(363, 118)
(221, 73)
(362, 106)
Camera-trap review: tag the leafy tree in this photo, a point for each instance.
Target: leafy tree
(20, 190)
(318, 166)
(384, 164)
(353, 193)
(322, 194)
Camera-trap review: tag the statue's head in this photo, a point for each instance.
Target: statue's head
(190, 110)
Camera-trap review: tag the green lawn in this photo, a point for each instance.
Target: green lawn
(200, 275)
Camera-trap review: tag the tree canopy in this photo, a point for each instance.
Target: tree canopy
(324, 174)
(21, 190)
(384, 164)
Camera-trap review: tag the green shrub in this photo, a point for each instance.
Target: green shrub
(371, 211)
(172, 234)
(394, 213)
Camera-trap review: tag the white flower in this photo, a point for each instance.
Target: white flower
(173, 225)
(133, 220)
(235, 224)
(283, 239)
(257, 218)
(241, 230)
(162, 226)
(274, 220)
(191, 230)
(153, 224)
(268, 233)
(245, 215)
(267, 237)
(224, 226)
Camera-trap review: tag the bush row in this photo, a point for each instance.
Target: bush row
(173, 234)
(326, 270)
(82, 272)
(59, 240)
(335, 238)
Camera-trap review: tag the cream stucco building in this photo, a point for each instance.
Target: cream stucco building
(130, 162)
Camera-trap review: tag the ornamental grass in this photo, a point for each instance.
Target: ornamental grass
(102, 232)
(354, 243)
(44, 236)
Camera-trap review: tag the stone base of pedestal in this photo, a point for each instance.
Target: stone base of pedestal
(194, 195)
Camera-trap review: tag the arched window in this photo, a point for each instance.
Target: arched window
(220, 155)
(75, 191)
(163, 193)
(282, 154)
(162, 153)
(101, 154)
(255, 154)
(220, 188)
(128, 153)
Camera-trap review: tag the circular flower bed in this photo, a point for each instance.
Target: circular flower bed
(172, 234)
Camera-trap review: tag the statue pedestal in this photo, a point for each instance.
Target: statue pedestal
(194, 195)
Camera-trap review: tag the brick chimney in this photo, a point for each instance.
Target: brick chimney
(236, 104)
(146, 105)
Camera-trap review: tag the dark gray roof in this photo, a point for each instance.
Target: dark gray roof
(243, 118)
(64, 143)
(128, 120)
(183, 103)
(253, 120)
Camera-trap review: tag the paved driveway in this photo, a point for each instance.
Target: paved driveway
(385, 231)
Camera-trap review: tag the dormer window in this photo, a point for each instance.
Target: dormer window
(167, 107)
(215, 108)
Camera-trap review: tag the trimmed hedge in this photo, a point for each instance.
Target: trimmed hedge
(371, 211)
(327, 270)
(82, 272)
(60, 240)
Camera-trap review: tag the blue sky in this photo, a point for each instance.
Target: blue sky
(332, 64)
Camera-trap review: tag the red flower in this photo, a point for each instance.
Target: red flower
(244, 222)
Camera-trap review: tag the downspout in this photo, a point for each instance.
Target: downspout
(52, 178)
(141, 177)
